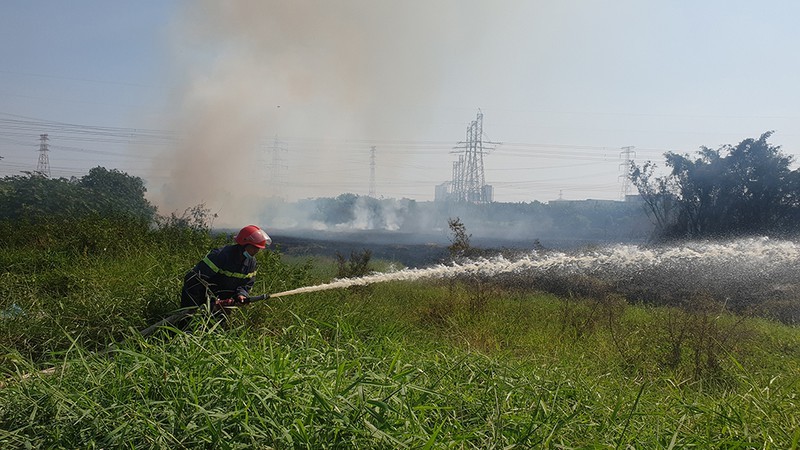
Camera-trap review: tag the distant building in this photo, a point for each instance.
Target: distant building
(442, 193)
(487, 192)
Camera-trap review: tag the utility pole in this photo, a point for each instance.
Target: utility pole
(372, 172)
(43, 166)
(627, 154)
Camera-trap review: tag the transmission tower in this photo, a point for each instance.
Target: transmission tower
(469, 183)
(372, 172)
(43, 166)
(627, 154)
(276, 168)
(458, 178)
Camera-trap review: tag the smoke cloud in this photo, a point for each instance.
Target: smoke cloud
(250, 71)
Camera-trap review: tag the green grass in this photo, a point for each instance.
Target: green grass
(343, 382)
(396, 365)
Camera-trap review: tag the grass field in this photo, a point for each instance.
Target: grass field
(434, 364)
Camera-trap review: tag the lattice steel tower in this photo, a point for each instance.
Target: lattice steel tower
(277, 182)
(372, 172)
(43, 166)
(627, 153)
(469, 183)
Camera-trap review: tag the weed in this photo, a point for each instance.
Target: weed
(356, 266)
(459, 238)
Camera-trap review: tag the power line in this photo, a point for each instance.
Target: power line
(401, 154)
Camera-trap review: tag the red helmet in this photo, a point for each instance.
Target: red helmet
(252, 235)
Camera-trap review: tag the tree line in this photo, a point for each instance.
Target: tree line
(101, 192)
(744, 189)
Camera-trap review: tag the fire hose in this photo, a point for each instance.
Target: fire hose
(235, 302)
(186, 312)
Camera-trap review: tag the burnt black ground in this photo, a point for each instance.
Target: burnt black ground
(392, 248)
(409, 249)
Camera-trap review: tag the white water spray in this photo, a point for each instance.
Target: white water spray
(743, 260)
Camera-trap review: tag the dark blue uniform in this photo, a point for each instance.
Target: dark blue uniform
(224, 273)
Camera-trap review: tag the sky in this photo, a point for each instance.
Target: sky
(227, 103)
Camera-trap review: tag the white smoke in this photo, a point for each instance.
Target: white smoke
(365, 213)
(247, 71)
(385, 215)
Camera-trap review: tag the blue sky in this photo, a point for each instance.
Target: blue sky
(90, 62)
(190, 95)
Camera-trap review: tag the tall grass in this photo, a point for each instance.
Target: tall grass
(342, 383)
(98, 285)
(400, 365)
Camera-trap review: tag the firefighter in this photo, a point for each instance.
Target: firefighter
(225, 273)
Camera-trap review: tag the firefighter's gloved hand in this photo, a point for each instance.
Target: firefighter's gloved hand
(224, 303)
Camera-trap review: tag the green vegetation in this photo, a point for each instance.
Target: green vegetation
(464, 364)
(100, 192)
(737, 190)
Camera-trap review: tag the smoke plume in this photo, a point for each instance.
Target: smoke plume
(250, 71)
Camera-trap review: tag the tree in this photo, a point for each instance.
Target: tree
(33, 195)
(743, 189)
(333, 211)
(117, 192)
(101, 192)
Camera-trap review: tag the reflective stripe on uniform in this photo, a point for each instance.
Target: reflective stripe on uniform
(225, 272)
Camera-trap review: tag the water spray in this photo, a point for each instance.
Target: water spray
(751, 259)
